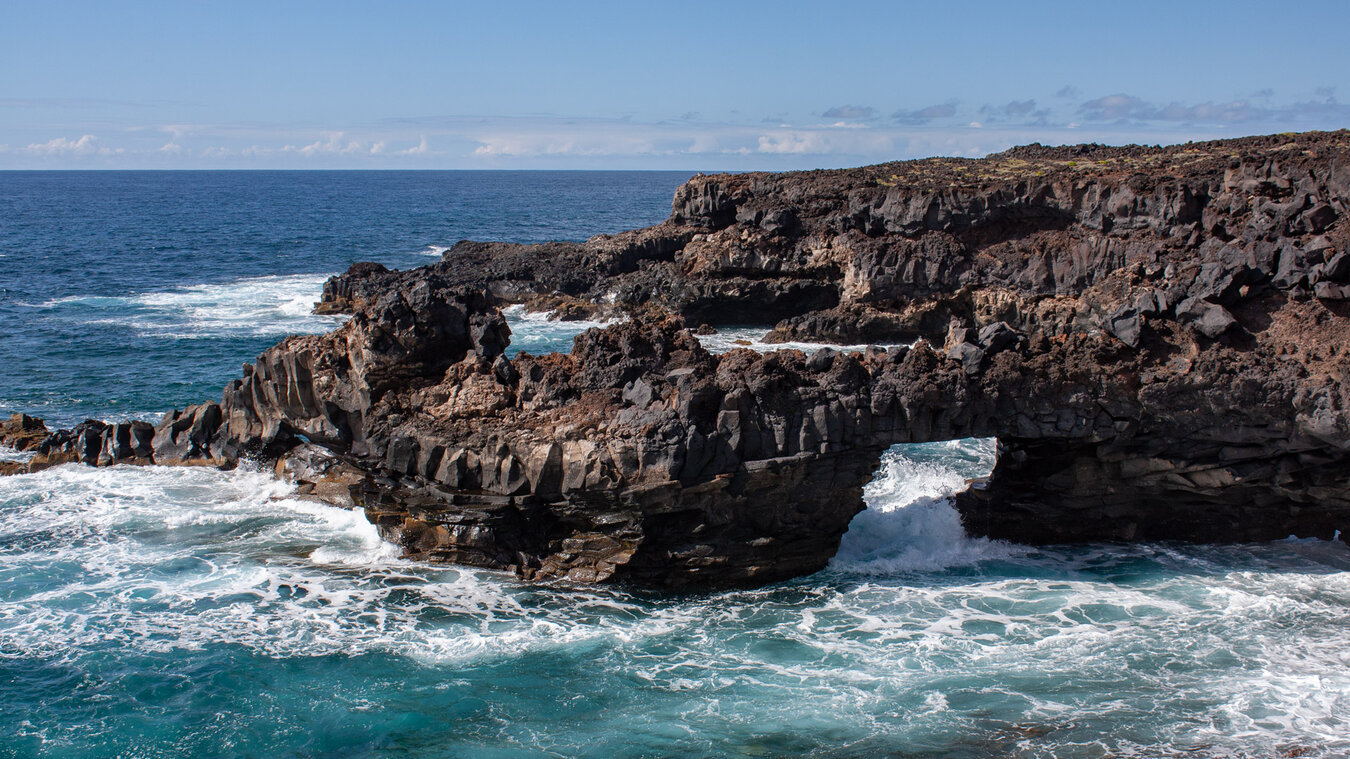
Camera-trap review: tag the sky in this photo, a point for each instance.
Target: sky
(689, 85)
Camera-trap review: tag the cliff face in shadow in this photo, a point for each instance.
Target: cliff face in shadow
(1157, 337)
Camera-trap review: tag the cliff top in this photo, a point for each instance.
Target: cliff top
(1087, 161)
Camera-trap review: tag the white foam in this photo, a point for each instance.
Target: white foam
(730, 338)
(161, 558)
(538, 333)
(909, 523)
(253, 306)
(435, 251)
(9, 454)
(1232, 651)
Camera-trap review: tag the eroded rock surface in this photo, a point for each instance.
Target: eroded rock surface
(1157, 337)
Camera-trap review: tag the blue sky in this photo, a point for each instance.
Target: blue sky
(688, 85)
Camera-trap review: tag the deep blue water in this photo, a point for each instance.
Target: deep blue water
(167, 612)
(126, 292)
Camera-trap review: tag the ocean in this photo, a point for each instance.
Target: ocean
(168, 612)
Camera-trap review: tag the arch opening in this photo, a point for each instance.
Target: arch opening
(910, 523)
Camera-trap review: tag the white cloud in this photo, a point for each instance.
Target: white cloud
(714, 143)
(526, 145)
(420, 148)
(86, 145)
(335, 144)
(586, 139)
(792, 142)
(551, 141)
(179, 131)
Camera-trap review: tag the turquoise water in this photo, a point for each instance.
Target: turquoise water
(166, 612)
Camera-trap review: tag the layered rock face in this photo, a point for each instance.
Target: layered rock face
(1156, 336)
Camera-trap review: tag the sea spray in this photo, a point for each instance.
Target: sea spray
(909, 523)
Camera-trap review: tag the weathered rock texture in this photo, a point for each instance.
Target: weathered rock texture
(1157, 337)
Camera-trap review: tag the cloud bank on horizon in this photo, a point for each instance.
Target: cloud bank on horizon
(531, 85)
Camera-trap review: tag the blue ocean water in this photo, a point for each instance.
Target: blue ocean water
(166, 612)
(126, 292)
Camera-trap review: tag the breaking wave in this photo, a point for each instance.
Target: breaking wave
(909, 523)
(254, 306)
(915, 636)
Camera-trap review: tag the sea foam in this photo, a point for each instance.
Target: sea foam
(161, 558)
(9, 454)
(916, 632)
(909, 523)
(538, 333)
(729, 338)
(253, 306)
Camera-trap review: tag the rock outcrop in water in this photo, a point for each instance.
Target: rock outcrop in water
(1157, 336)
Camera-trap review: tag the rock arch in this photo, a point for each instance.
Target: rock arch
(1158, 337)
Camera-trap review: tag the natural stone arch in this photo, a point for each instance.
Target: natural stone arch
(1155, 335)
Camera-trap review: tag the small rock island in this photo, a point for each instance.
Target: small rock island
(1157, 337)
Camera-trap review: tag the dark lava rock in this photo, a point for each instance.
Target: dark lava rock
(1156, 336)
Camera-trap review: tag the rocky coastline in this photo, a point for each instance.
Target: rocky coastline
(1157, 336)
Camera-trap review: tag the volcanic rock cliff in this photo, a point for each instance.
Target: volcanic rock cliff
(1157, 337)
